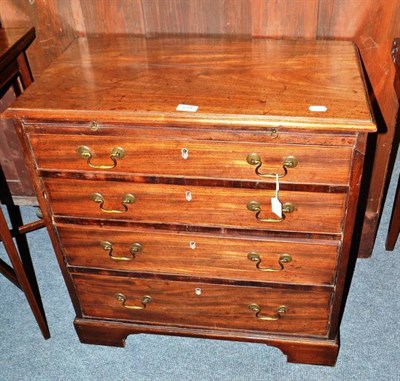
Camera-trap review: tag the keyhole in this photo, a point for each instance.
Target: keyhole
(185, 153)
(197, 291)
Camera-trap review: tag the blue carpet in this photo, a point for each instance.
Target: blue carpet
(370, 333)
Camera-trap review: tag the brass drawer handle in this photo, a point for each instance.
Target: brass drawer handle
(255, 159)
(254, 206)
(135, 248)
(116, 153)
(276, 316)
(122, 298)
(284, 258)
(126, 199)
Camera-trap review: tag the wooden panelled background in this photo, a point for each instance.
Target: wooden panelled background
(371, 24)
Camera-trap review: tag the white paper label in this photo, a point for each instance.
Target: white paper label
(276, 205)
(318, 108)
(188, 108)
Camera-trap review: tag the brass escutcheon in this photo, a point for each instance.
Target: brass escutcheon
(288, 207)
(97, 197)
(128, 198)
(135, 248)
(290, 162)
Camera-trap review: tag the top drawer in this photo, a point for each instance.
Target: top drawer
(294, 163)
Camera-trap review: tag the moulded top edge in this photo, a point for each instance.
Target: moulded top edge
(192, 120)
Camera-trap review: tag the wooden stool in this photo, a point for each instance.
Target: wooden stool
(15, 74)
(21, 273)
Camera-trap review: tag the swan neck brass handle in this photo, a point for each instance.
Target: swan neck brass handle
(134, 249)
(255, 159)
(283, 258)
(276, 316)
(122, 298)
(86, 153)
(127, 199)
(255, 206)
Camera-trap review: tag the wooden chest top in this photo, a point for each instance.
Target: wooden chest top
(265, 83)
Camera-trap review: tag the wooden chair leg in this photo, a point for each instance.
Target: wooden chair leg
(9, 273)
(394, 226)
(25, 70)
(24, 272)
(15, 217)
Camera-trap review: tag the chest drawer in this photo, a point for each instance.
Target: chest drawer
(195, 205)
(208, 159)
(202, 255)
(203, 305)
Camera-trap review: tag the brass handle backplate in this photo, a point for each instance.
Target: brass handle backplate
(133, 250)
(126, 200)
(86, 153)
(255, 206)
(122, 298)
(283, 258)
(255, 159)
(276, 316)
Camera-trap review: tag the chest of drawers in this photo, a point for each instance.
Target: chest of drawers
(161, 166)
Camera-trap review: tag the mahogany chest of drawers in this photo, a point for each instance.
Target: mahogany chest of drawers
(201, 187)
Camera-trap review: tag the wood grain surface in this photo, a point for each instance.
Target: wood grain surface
(231, 81)
(206, 17)
(176, 303)
(205, 255)
(172, 157)
(209, 206)
(93, 17)
(285, 19)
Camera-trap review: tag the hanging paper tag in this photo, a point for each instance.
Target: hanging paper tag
(276, 205)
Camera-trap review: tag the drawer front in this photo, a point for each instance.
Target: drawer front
(200, 255)
(203, 206)
(211, 159)
(203, 305)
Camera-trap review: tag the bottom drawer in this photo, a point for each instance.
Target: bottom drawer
(194, 304)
